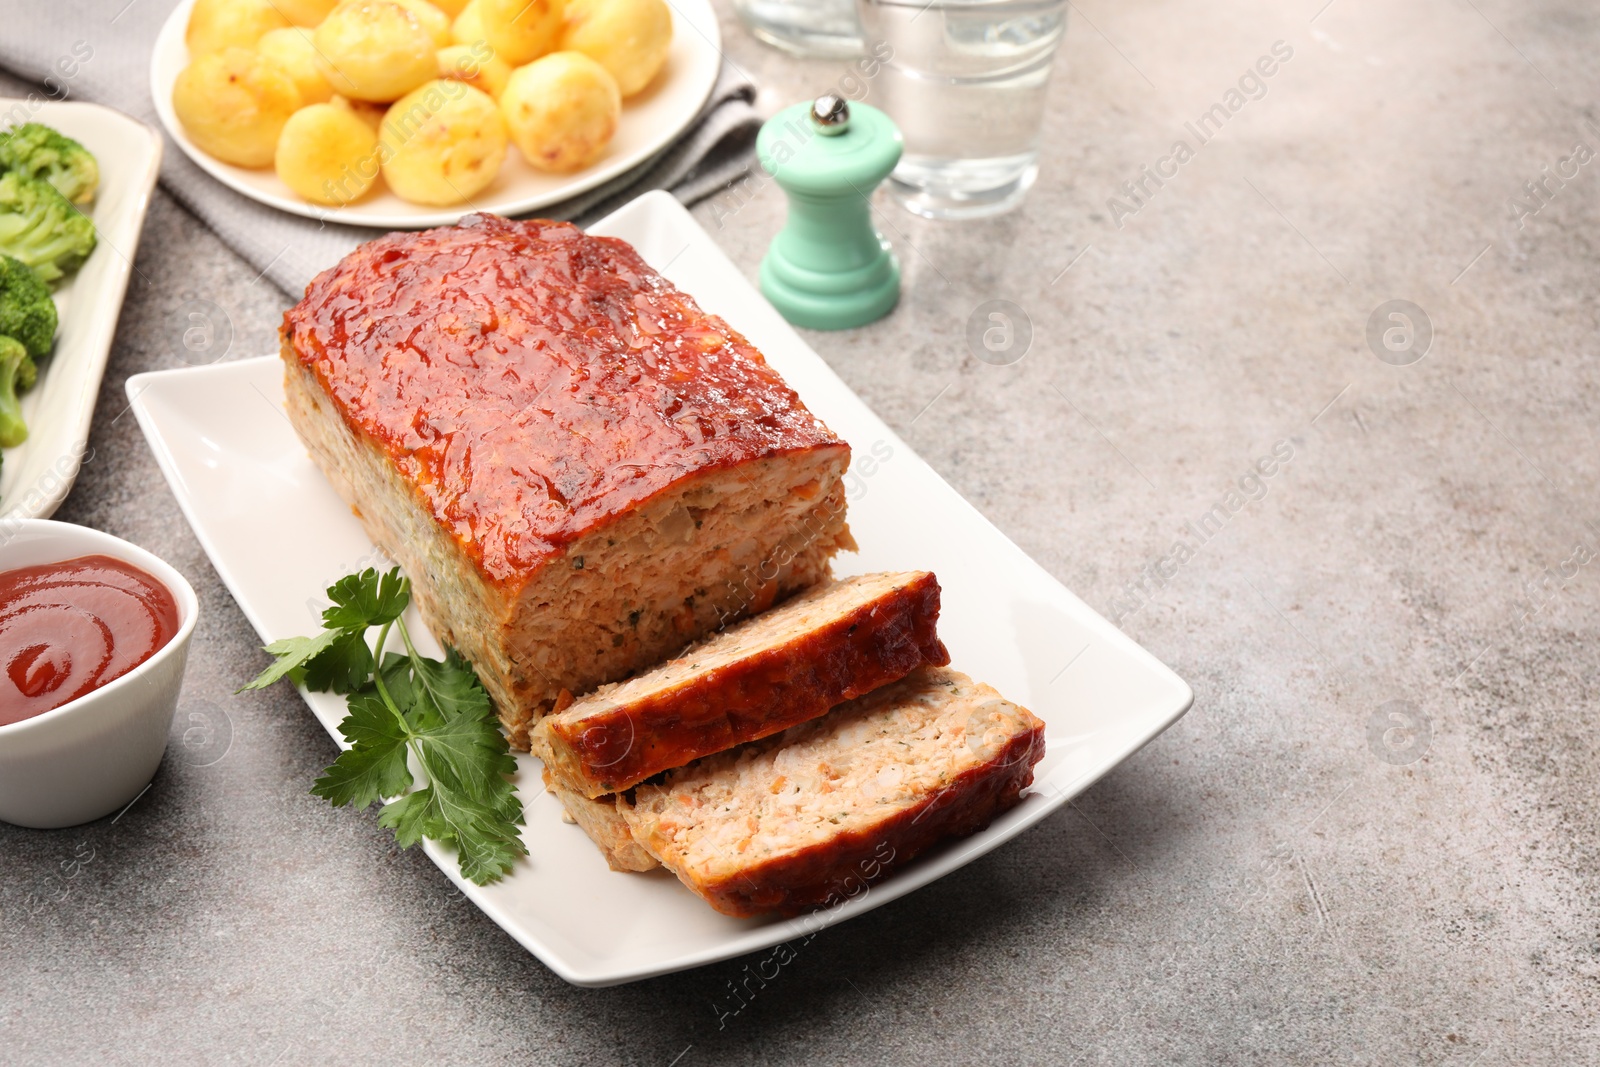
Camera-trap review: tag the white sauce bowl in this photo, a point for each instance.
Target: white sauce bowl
(92, 755)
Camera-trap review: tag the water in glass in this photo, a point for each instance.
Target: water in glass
(826, 28)
(966, 85)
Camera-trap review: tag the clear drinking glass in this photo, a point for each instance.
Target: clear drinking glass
(825, 28)
(966, 85)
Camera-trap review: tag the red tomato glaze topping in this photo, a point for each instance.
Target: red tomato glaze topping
(68, 628)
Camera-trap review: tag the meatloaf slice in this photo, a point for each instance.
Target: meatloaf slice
(599, 819)
(580, 470)
(789, 664)
(811, 816)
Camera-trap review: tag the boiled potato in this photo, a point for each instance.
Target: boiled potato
(374, 50)
(234, 103)
(521, 31)
(371, 114)
(442, 143)
(630, 38)
(327, 154)
(436, 22)
(477, 65)
(291, 49)
(468, 26)
(306, 13)
(561, 110)
(452, 8)
(218, 24)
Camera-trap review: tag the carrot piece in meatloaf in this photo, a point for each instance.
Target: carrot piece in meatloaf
(580, 471)
(809, 816)
(789, 664)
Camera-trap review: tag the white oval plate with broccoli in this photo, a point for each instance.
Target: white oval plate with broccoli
(36, 475)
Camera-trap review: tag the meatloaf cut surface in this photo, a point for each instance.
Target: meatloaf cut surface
(789, 664)
(580, 471)
(599, 819)
(810, 817)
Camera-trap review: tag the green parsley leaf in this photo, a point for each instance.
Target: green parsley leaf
(343, 667)
(338, 660)
(452, 685)
(486, 844)
(374, 767)
(292, 653)
(365, 599)
(403, 706)
(413, 817)
(475, 752)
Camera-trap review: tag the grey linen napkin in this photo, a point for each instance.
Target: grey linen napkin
(47, 42)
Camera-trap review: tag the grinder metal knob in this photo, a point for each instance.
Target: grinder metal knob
(830, 114)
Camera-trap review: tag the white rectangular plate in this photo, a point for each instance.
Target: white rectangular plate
(279, 535)
(38, 473)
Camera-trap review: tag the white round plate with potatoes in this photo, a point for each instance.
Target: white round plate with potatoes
(650, 120)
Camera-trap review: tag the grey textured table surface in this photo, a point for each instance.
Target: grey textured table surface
(1287, 875)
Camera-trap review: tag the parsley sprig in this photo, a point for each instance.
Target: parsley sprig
(406, 706)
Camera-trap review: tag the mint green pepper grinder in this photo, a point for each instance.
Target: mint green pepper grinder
(828, 268)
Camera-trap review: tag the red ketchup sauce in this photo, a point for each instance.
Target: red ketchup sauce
(68, 628)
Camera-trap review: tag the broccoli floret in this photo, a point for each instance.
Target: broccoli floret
(17, 372)
(41, 227)
(37, 151)
(26, 310)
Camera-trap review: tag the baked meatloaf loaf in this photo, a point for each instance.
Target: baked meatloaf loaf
(809, 817)
(580, 470)
(789, 664)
